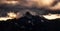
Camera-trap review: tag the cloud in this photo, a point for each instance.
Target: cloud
(33, 6)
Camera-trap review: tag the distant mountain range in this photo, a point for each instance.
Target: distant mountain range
(30, 23)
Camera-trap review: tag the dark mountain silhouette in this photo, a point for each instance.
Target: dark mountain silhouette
(30, 23)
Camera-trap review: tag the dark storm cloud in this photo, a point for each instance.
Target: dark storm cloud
(18, 8)
(25, 5)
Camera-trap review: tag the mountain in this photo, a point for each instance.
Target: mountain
(30, 23)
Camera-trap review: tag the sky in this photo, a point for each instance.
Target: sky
(35, 7)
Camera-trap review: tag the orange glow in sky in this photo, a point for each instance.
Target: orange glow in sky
(51, 16)
(10, 15)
